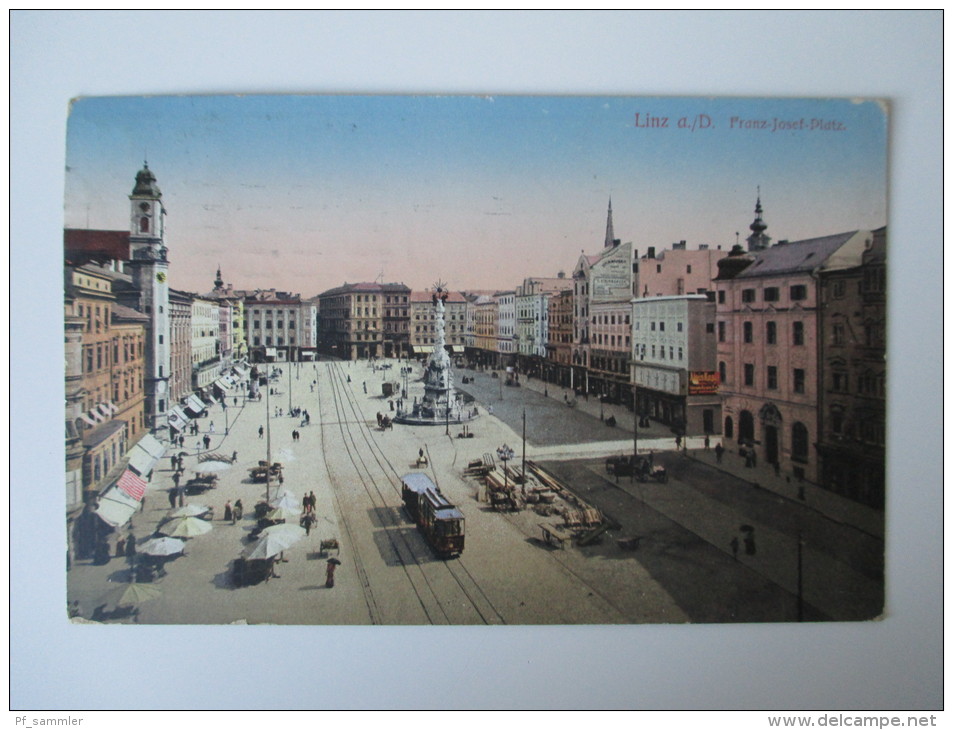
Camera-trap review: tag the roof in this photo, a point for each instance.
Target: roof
(795, 257)
(81, 245)
(418, 482)
(365, 286)
(122, 312)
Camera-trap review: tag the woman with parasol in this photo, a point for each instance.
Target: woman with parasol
(333, 563)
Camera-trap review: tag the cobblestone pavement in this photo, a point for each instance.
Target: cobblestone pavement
(506, 574)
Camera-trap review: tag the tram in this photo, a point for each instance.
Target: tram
(441, 524)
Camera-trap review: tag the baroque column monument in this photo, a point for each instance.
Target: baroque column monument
(440, 404)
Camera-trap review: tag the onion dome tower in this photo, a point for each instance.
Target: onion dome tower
(758, 240)
(734, 263)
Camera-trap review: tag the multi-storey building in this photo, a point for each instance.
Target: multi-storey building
(180, 351)
(485, 322)
(205, 344)
(676, 271)
(532, 320)
(558, 363)
(852, 397)
(365, 320)
(505, 328)
(280, 327)
(606, 279)
(231, 322)
(104, 375)
(422, 314)
(767, 323)
(610, 348)
(673, 362)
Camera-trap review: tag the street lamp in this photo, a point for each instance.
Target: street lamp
(505, 453)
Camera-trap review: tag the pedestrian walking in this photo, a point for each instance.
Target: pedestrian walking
(329, 574)
(227, 516)
(207, 440)
(365, 384)
(749, 543)
(172, 493)
(261, 431)
(719, 450)
(120, 546)
(211, 426)
(131, 548)
(234, 456)
(734, 547)
(314, 502)
(238, 511)
(707, 443)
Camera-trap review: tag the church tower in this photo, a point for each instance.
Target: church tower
(758, 240)
(610, 233)
(149, 267)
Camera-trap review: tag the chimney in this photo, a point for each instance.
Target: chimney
(651, 253)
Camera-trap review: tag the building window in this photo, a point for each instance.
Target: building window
(771, 333)
(837, 333)
(747, 296)
(721, 331)
(798, 380)
(798, 292)
(721, 296)
(839, 382)
(749, 373)
(772, 377)
(799, 443)
(722, 372)
(772, 294)
(678, 326)
(797, 333)
(839, 288)
(747, 328)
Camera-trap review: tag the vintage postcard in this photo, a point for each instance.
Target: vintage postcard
(407, 360)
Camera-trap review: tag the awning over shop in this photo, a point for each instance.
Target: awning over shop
(195, 404)
(223, 384)
(144, 455)
(271, 352)
(178, 419)
(116, 507)
(423, 350)
(456, 349)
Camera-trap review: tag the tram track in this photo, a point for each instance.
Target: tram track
(381, 485)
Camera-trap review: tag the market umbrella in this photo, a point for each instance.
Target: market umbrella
(135, 593)
(287, 500)
(189, 510)
(334, 561)
(211, 466)
(283, 513)
(274, 540)
(162, 546)
(185, 527)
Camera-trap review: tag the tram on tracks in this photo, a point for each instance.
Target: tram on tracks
(441, 524)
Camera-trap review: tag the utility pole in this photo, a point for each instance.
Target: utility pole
(524, 452)
(635, 431)
(800, 577)
(268, 436)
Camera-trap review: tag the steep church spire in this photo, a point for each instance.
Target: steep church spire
(758, 240)
(219, 283)
(610, 234)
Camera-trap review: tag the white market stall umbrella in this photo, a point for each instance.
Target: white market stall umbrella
(186, 527)
(162, 546)
(274, 540)
(283, 513)
(189, 510)
(287, 500)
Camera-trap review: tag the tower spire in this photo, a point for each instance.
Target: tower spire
(219, 283)
(610, 233)
(758, 240)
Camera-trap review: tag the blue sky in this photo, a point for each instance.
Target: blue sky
(306, 192)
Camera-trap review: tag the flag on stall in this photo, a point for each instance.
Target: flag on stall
(132, 484)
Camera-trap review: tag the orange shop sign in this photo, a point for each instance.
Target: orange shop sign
(702, 382)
